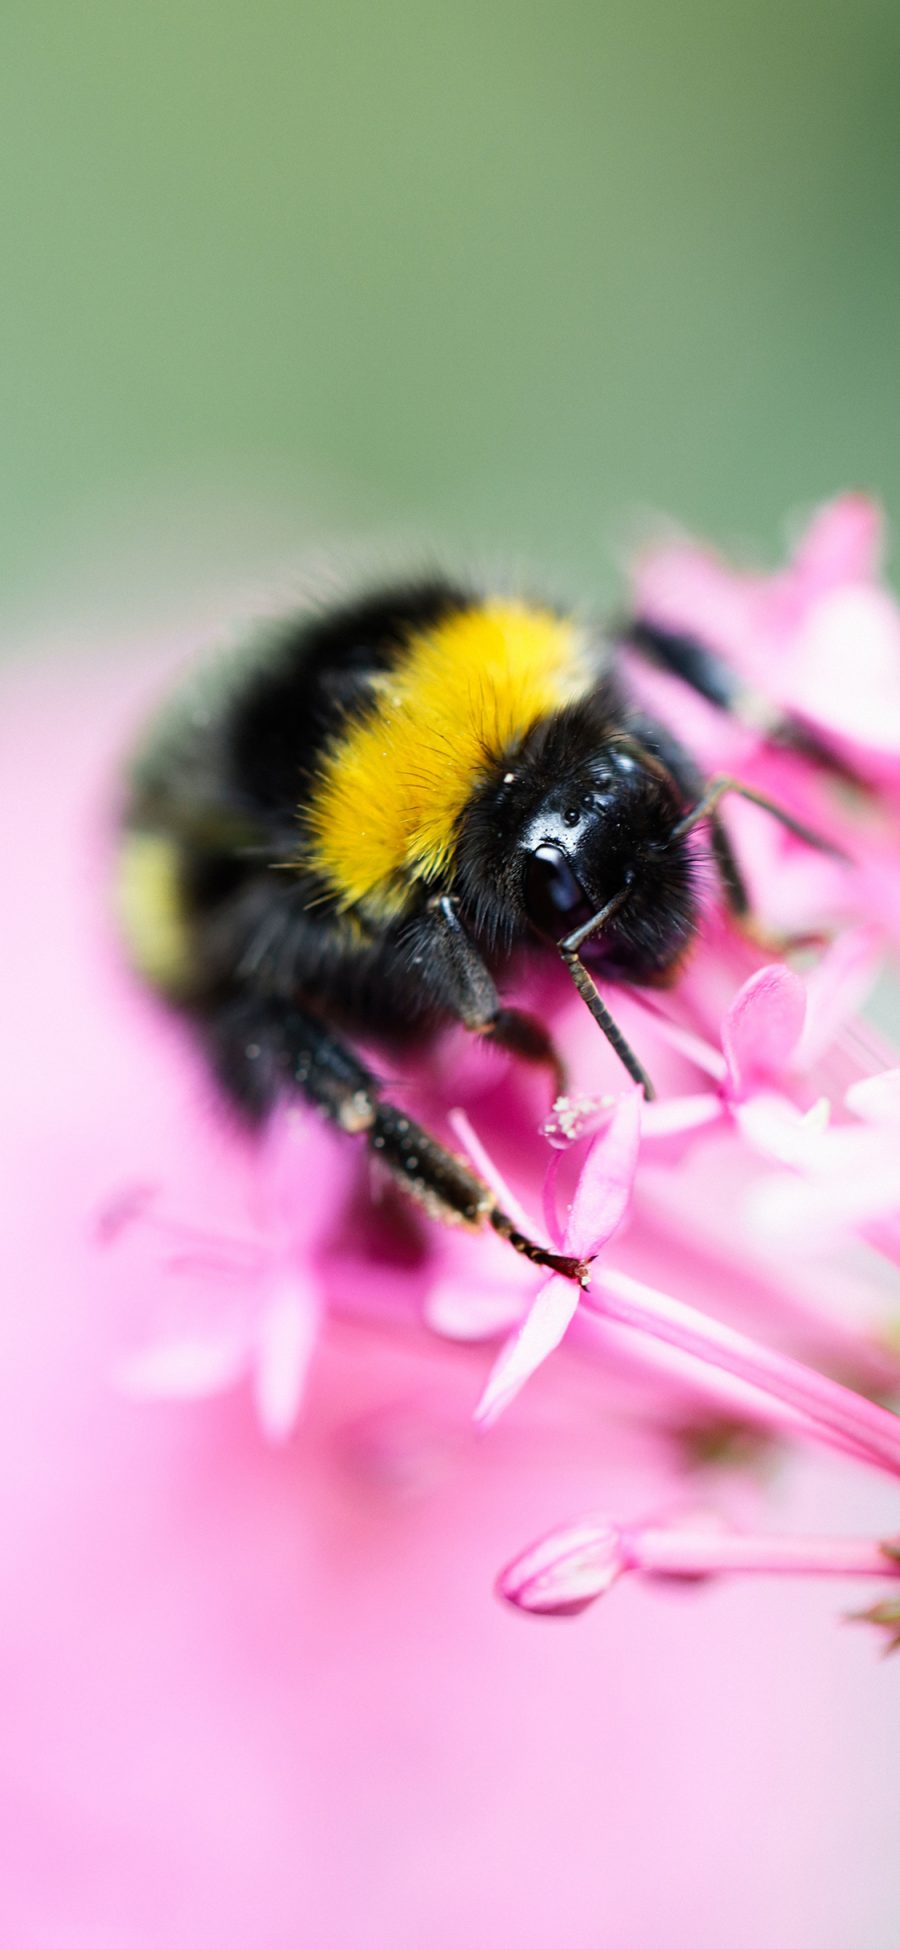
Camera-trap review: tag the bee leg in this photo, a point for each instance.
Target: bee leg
(524, 1036)
(463, 985)
(717, 788)
(711, 677)
(682, 656)
(262, 1050)
(737, 900)
(447, 1188)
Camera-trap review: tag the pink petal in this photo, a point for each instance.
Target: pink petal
(673, 1115)
(550, 1201)
(304, 1174)
(762, 1027)
(487, 1169)
(835, 989)
(854, 1183)
(539, 1335)
(184, 1367)
(285, 1341)
(857, 630)
(876, 1099)
(843, 543)
(134, 1217)
(694, 1047)
(456, 1312)
(604, 1187)
(687, 587)
(777, 1129)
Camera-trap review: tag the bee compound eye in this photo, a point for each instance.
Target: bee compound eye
(555, 900)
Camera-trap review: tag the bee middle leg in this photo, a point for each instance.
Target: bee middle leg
(711, 677)
(262, 1050)
(738, 902)
(465, 987)
(704, 671)
(683, 656)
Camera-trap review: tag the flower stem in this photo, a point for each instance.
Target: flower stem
(837, 1413)
(564, 1572)
(699, 1553)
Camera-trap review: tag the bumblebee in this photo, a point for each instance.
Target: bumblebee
(355, 831)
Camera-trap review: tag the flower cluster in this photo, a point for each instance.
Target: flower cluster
(742, 1228)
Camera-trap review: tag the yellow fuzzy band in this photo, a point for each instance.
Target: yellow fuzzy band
(460, 699)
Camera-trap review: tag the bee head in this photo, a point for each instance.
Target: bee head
(607, 833)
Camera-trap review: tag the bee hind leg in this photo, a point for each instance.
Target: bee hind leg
(262, 1051)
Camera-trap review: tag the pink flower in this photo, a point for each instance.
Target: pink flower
(599, 1205)
(244, 1304)
(232, 1667)
(817, 642)
(848, 1177)
(774, 1034)
(820, 638)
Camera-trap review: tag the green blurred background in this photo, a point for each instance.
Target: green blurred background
(505, 278)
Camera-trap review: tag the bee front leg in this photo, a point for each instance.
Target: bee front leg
(460, 982)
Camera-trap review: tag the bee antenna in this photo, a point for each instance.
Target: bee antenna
(717, 789)
(570, 949)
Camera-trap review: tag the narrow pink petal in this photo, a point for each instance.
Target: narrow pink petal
(843, 543)
(285, 1341)
(458, 1311)
(539, 1335)
(695, 1047)
(134, 1215)
(487, 1169)
(876, 1099)
(184, 1367)
(685, 586)
(861, 623)
(211, 1261)
(550, 1203)
(884, 1235)
(775, 1127)
(854, 1184)
(762, 1027)
(835, 989)
(673, 1115)
(304, 1174)
(123, 1207)
(603, 1192)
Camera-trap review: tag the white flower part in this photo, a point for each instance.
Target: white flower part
(286, 1336)
(184, 1366)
